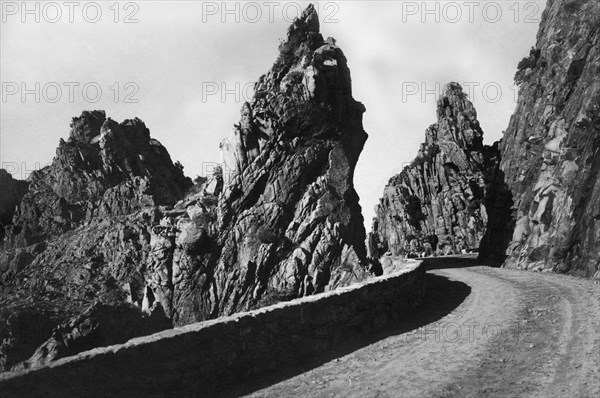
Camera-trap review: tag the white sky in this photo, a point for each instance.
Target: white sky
(179, 50)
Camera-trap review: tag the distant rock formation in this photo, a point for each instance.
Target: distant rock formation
(79, 237)
(437, 204)
(551, 149)
(112, 231)
(104, 169)
(531, 200)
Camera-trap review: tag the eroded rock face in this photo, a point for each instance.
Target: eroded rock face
(112, 230)
(288, 222)
(437, 204)
(82, 233)
(11, 194)
(550, 151)
(104, 169)
(100, 325)
(105, 262)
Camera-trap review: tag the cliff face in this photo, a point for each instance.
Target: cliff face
(288, 222)
(104, 169)
(550, 151)
(11, 194)
(539, 206)
(437, 204)
(112, 233)
(80, 237)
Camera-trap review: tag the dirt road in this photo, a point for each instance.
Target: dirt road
(481, 332)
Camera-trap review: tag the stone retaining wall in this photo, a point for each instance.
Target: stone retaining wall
(199, 359)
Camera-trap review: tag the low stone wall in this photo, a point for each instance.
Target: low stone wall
(199, 359)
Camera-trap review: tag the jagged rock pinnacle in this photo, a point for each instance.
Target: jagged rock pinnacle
(437, 204)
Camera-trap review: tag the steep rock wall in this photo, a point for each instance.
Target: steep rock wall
(551, 148)
(437, 204)
(288, 222)
(11, 194)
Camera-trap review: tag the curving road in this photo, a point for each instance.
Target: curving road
(481, 332)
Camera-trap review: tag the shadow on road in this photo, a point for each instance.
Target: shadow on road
(463, 261)
(442, 296)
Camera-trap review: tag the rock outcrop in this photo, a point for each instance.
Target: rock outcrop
(104, 169)
(11, 194)
(113, 230)
(100, 325)
(551, 149)
(288, 222)
(437, 204)
(539, 206)
(80, 234)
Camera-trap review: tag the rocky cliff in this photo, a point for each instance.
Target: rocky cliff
(288, 222)
(551, 148)
(11, 194)
(79, 242)
(436, 205)
(104, 169)
(112, 233)
(533, 199)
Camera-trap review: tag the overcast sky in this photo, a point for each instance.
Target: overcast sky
(169, 64)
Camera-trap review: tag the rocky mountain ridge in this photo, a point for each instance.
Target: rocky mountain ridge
(78, 242)
(113, 232)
